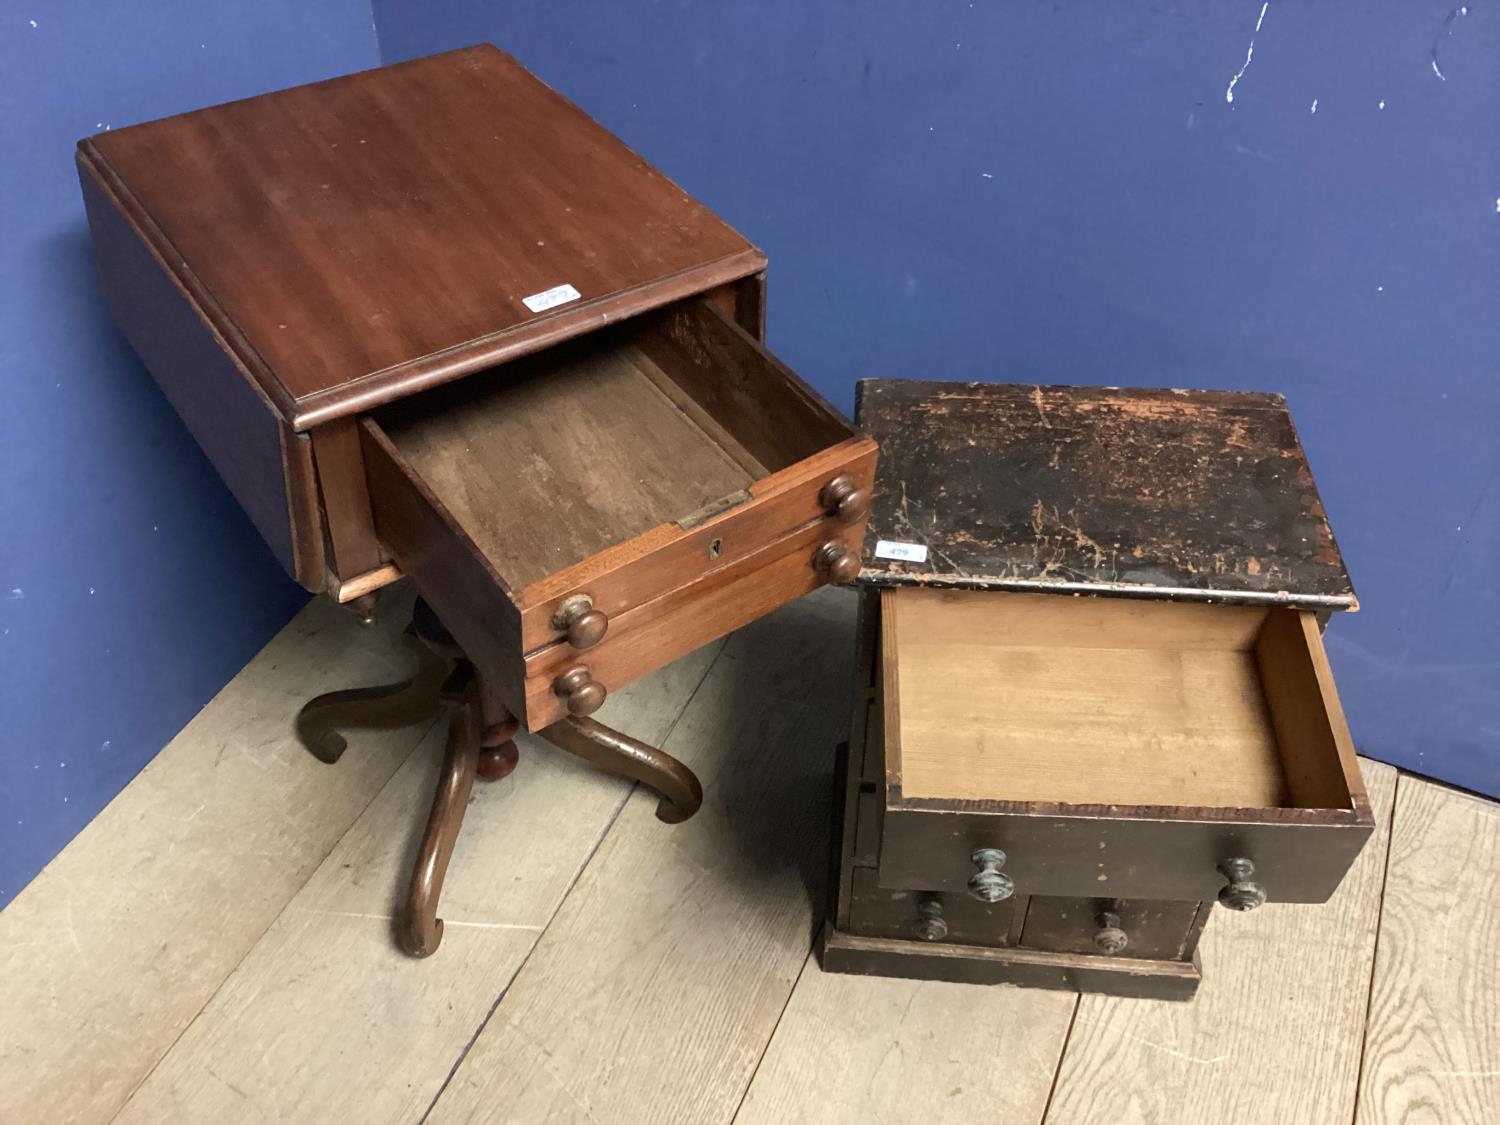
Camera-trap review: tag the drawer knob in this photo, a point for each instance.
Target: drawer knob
(584, 625)
(1109, 939)
(582, 694)
(837, 562)
(1240, 893)
(930, 925)
(989, 883)
(844, 500)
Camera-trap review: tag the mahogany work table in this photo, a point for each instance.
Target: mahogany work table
(431, 321)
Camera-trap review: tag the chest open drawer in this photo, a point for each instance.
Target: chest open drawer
(586, 515)
(1046, 744)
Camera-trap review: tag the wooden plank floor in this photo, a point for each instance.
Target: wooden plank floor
(217, 946)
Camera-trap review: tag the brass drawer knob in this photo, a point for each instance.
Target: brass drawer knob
(582, 694)
(989, 883)
(839, 564)
(930, 925)
(1109, 939)
(1240, 893)
(583, 625)
(844, 500)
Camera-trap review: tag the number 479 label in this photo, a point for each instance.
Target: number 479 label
(551, 298)
(901, 552)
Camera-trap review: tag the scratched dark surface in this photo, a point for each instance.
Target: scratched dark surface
(1197, 495)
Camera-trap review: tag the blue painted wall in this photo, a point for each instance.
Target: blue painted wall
(132, 586)
(1063, 192)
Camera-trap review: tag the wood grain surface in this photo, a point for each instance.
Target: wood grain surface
(1432, 1045)
(1084, 726)
(1151, 493)
(1273, 1036)
(679, 946)
(272, 1045)
(358, 238)
(851, 1050)
(118, 944)
(546, 462)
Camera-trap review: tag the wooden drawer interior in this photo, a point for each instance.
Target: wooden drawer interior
(1019, 699)
(553, 459)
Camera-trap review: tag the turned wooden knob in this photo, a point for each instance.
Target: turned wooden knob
(930, 925)
(1240, 893)
(844, 500)
(989, 883)
(583, 625)
(582, 693)
(837, 562)
(1109, 939)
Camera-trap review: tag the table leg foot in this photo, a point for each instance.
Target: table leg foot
(421, 930)
(681, 794)
(363, 607)
(390, 705)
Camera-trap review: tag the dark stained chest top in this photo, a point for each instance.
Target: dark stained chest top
(1198, 495)
(357, 239)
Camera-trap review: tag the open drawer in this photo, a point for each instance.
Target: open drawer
(1053, 745)
(583, 516)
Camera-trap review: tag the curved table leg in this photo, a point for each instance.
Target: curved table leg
(390, 705)
(681, 795)
(421, 929)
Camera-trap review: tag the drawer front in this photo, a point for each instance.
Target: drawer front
(875, 911)
(687, 618)
(621, 580)
(1133, 855)
(1137, 928)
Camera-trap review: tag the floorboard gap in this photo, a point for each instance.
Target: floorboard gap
(1385, 875)
(1061, 1055)
(745, 1093)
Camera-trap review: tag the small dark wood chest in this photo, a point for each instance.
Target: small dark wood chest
(1092, 696)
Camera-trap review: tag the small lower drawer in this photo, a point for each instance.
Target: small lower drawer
(875, 911)
(1142, 928)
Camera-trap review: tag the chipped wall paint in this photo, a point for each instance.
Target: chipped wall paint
(1443, 33)
(136, 588)
(1348, 257)
(1249, 56)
